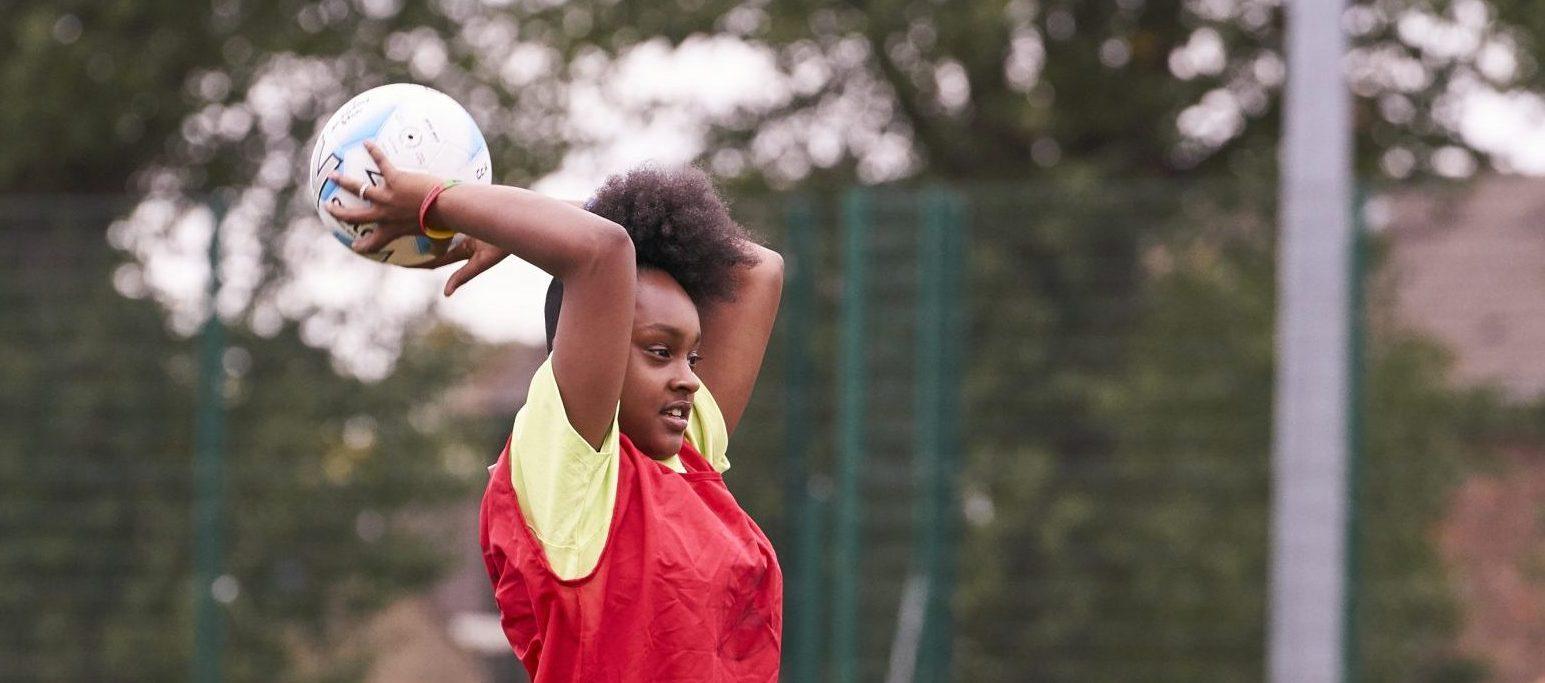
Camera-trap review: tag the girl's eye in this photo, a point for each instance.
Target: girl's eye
(664, 353)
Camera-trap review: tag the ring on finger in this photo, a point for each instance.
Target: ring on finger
(362, 188)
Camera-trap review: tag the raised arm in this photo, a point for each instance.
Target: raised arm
(590, 254)
(593, 257)
(735, 334)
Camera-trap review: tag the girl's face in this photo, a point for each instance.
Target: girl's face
(657, 392)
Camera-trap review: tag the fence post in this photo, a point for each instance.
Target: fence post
(209, 476)
(800, 515)
(1354, 435)
(850, 430)
(939, 378)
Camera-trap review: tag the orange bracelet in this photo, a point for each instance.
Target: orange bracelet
(423, 212)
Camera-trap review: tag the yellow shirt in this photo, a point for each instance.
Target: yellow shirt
(566, 489)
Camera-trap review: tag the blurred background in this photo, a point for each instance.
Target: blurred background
(1015, 421)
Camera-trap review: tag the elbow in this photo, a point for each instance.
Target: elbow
(610, 237)
(769, 267)
(594, 246)
(768, 263)
(610, 247)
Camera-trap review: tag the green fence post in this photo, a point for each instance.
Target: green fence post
(209, 477)
(850, 446)
(803, 655)
(938, 382)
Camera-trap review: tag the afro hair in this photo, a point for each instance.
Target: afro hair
(679, 225)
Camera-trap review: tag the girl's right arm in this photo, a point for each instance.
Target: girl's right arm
(591, 255)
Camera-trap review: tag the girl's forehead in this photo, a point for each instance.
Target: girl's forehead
(664, 330)
(663, 306)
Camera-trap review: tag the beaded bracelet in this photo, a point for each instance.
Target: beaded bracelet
(423, 212)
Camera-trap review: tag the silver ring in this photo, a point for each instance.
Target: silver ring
(362, 188)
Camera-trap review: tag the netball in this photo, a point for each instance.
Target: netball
(419, 129)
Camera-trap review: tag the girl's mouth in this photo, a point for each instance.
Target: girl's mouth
(675, 424)
(675, 415)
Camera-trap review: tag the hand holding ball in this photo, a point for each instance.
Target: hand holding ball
(390, 209)
(420, 137)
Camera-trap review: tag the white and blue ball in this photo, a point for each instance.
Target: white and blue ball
(419, 129)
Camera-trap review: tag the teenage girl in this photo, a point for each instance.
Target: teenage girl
(615, 551)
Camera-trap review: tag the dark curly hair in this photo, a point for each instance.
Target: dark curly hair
(678, 224)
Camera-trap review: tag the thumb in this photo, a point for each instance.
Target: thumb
(467, 271)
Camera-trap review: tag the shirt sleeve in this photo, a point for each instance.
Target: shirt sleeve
(707, 431)
(566, 489)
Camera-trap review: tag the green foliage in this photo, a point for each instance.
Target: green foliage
(104, 90)
(206, 93)
(96, 492)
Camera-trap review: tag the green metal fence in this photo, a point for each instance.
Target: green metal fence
(1004, 433)
(143, 540)
(1084, 372)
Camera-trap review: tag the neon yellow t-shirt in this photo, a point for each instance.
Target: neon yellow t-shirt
(566, 489)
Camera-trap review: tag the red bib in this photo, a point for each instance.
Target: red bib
(687, 587)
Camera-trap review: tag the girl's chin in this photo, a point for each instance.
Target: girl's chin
(664, 446)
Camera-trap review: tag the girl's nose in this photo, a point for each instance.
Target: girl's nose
(687, 380)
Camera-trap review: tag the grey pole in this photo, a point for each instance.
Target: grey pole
(1310, 421)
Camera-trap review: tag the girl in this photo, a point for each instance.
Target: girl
(615, 551)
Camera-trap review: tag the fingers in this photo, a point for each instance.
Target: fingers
(479, 261)
(391, 213)
(462, 274)
(371, 241)
(346, 183)
(375, 238)
(383, 163)
(352, 185)
(356, 215)
(459, 251)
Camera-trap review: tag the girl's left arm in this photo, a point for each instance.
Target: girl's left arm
(735, 334)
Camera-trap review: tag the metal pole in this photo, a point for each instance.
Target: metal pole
(209, 477)
(1310, 422)
(935, 374)
(911, 652)
(851, 413)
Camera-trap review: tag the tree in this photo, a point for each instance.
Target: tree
(986, 89)
(225, 95)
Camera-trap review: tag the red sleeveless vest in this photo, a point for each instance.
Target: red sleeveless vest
(687, 587)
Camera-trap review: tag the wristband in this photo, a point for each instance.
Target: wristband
(423, 212)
